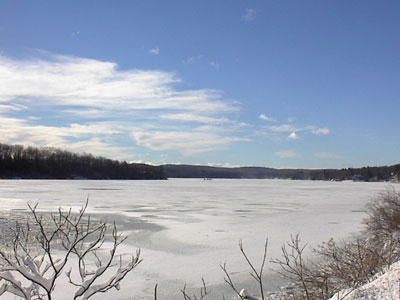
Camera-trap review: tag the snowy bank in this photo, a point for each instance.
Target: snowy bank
(384, 287)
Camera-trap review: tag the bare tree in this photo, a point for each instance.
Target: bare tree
(257, 275)
(44, 247)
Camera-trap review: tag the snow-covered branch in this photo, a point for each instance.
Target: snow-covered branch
(30, 267)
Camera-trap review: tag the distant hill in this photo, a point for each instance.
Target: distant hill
(383, 173)
(190, 171)
(17, 161)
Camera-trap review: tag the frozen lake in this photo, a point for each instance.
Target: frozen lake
(187, 227)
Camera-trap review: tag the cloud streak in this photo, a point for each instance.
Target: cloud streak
(93, 103)
(187, 117)
(189, 143)
(266, 118)
(321, 131)
(293, 129)
(75, 137)
(91, 83)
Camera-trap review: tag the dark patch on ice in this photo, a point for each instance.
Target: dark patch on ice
(99, 189)
(243, 210)
(357, 210)
(218, 230)
(150, 216)
(142, 210)
(234, 272)
(281, 209)
(125, 223)
(165, 209)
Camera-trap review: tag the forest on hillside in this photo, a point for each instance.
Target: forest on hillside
(382, 173)
(17, 161)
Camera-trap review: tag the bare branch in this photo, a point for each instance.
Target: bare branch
(257, 275)
(229, 281)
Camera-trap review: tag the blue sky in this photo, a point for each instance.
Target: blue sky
(301, 84)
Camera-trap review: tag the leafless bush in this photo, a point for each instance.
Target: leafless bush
(306, 282)
(42, 251)
(383, 224)
(383, 214)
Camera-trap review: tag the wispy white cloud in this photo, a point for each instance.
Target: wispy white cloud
(287, 154)
(75, 137)
(328, 155)
(249, 15)
(155, 51)
(292, 128)
(284, 128)
(266, 118)
(187, 117)
(81, 91)
(188, 143)
(100, 147)
(293, 136)
(192, 59)
(12, 107)
(70, 81)
(14, 129)
(321, 131)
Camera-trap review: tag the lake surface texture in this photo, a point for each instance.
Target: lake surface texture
(187, 227)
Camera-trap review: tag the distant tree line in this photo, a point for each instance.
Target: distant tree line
(383, 173)
(17, 161)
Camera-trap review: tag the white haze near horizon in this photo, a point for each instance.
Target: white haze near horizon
(187, 227)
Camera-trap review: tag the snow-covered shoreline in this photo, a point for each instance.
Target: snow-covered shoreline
(384, 287)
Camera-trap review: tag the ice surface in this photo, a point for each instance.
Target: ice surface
(187, 227)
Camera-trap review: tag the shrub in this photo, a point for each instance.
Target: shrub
(382, 226)
(383, 215)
